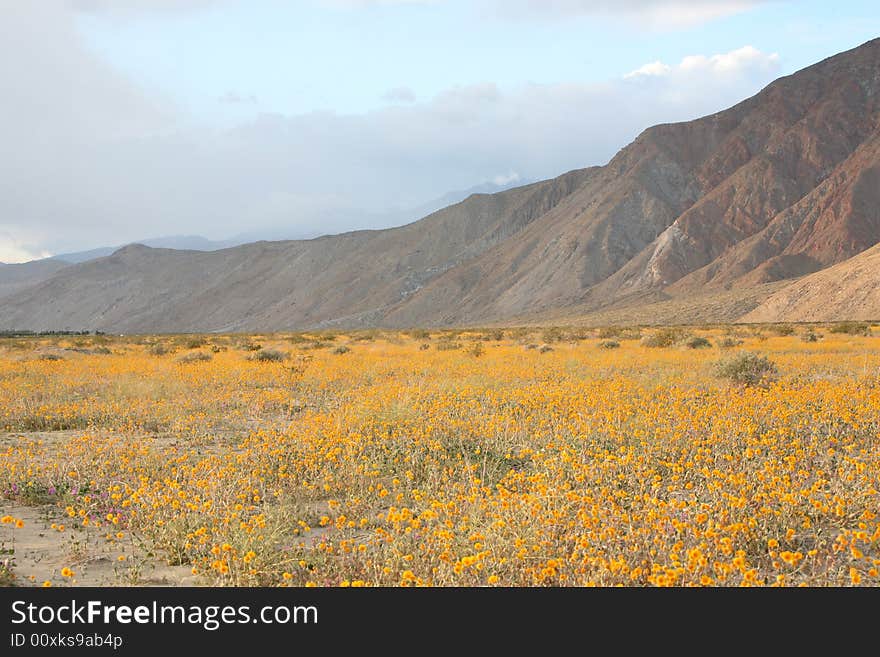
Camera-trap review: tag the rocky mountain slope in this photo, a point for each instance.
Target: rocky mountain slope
(849, 290)
(15, 277)
(782, 185)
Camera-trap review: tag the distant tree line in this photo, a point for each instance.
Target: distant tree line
(25, 334)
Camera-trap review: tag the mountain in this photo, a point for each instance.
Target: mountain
(186, 242)
(699, 219)
(349, 279)
(459, 195)
(336, 220)
(848, 290)
(17, 277)
(283, 233)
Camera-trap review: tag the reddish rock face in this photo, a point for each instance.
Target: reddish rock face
(778, 186)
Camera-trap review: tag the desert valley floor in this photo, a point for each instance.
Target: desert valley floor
(713, 455)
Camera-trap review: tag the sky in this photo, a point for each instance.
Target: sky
(123, 120)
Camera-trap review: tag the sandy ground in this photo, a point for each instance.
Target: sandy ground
(41, 551)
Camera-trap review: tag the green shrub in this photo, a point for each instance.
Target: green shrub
(620, 333)
(51, 357)
(424, 346)
(448, 345)
(609, 344)
(477, 349)
(341, 349)
(728, 342)
(810, 335)
(419, 334)
(268, 356)
(746, 369)
(194, 357)
(553, 334)
(782, 329)
(159, 349)
(316, 344)
(698, 342)
(368, 335)
(251, 346)
(851, 328)
(665, 337)
(544, 348)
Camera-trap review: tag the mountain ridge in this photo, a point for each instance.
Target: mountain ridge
(781, 185)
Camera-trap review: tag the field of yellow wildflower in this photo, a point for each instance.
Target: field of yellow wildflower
(516, 457)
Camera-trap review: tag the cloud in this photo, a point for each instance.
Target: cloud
(653, 68)
(13, 251)
(662, 14)
(399, 95)
(363, 4)
(121, 6)
(91, 159)
(503, 179)
(746, 60)
(735, 61)
(235, 98)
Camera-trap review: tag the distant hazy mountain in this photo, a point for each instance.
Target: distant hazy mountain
(334, 221)
(451, 198)
(710, 216)
(15, 277)
(182, 242)
(339, 221)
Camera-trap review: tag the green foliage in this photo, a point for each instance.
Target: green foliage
(851, 328)
(747, 369)
(195, 357)
(810, 335)
(268, 356)
(665, 337)
(782, 329)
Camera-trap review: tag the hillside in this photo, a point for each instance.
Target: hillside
(15, 277)
(849, 290)
(728, 206)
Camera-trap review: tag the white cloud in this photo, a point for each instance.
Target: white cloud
(399, 95)
(235, 98)
(13, 251)
(735, 61)
(90, 159)
(705, 70)
(653, 68)
(119, 6)
(661, 14)
(503, 179)
(360, 4)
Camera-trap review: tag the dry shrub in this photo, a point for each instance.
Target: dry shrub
(747, 369)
